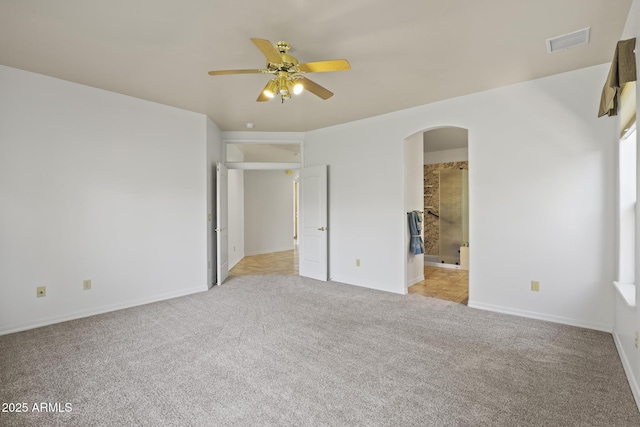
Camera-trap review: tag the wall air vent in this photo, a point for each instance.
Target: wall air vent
(577, 38)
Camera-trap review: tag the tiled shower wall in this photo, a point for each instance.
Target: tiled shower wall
(432, 204)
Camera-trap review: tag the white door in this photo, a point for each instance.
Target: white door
(313, 223)
(222, 223)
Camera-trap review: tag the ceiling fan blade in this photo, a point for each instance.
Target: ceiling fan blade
(262, 97)
(224, 72)
(315, 88)
(325, 66)
(268, 50)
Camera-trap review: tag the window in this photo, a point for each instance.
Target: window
(627, 195)
(627, 208)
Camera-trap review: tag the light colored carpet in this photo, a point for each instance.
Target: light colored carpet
(288, 351)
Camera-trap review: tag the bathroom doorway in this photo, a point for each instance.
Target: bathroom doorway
(446, 215)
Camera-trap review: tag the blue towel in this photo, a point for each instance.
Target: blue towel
(416, 246)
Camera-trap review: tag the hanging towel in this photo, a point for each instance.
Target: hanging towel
(623, 70)
(416, 246)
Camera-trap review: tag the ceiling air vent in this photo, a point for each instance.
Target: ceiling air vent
(577, 38)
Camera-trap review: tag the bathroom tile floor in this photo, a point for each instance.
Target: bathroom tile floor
(443, 283)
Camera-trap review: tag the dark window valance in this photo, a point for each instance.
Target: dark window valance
(623, 70)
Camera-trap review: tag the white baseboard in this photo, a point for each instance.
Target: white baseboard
(415, 280)
(234, 261)
(99, 310)
(604, 327)
(441, 265)
(627, 370)
(375, 286)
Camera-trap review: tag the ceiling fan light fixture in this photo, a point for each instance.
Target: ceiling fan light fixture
(283, 84)
(297, 88)
(286, 72)
(270, 90)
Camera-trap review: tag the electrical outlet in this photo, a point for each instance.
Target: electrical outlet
(86, 284)
(209, 217)
(41, 291)
(637, 338)
(357, 262)
(535, 286)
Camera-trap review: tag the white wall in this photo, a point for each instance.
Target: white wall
(446, 156)
(100, 186)
(413, 200)
(540, 196)
(627, 319)
(268, 213)
(366, 200)
(236, 208)
(541, 202)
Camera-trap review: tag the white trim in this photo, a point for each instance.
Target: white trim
(234, 262)
(442, 265)
(627, 291)
(374, 286)
(262, 141)
(629, 131)
(604, 327)
(633, 384)
(262, 166)
(253, 137)
(100, 310)
(415, 280)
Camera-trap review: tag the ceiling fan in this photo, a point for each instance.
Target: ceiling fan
(288, 73)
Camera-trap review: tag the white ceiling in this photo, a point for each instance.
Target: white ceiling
(403, 53)
(449, 138)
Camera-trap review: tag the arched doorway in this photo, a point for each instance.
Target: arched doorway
(445, 212)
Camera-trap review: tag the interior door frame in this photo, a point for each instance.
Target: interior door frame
(295, 139)
(222, 224)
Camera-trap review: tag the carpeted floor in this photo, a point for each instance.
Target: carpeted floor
(289, 351)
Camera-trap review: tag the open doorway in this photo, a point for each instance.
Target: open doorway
(283, 263)
(445, 225)
(269, 224)
(261, 205)
(263, 163)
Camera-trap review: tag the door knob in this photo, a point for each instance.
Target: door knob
(321, 228)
